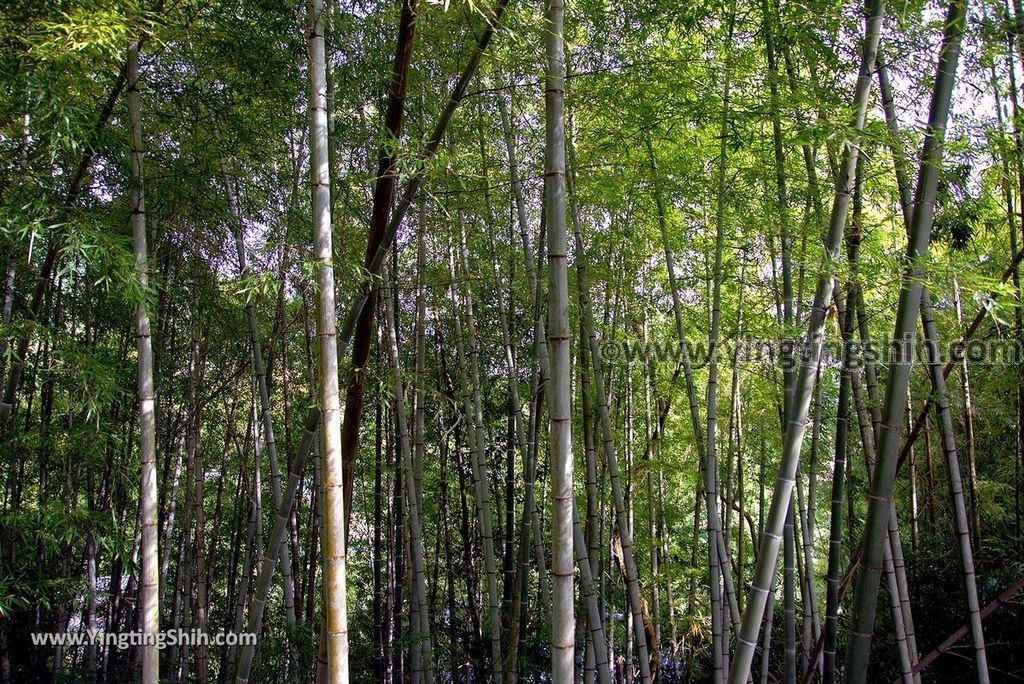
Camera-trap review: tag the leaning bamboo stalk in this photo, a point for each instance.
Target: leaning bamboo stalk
(869, 421)
(899, 569)
(956, 636)
(540, 376)
(274, 544)
(422, 633)
(473, 413)
(920, 423)
(811, 619)
(244, 582)
(592, 532)
(529, 522)
(789, 596)
(835, 540)
(805, 517)
(956, 490)
(1018, 317)
(718, 558)
(429, 151)
(382, 199)
(880, 500)
(769, 551)
(419, 410)
(260, 371)
(939, 391)
(766, 637)
(198, 511)
(902, 647)
(940, 397)
(715, 549)
(595, 621)
(505, 326)
(170, 517)
(972, 458)
(906, 647)
(650, 433)
(611, 458)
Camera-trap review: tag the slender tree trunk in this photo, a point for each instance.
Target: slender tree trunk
(972, 457)
(149, 607)
(201, 618)
(1012, 223)
(880, 501)
(591, 535)
(595, 619)
(941, 400)
(259, 370)
(563, 623)
(895, 582)
(336, 615)
(611, 461)
(272, 551)
(378, 521)
(768, 553)
(956, 490)
(517, 431)
(835, 543)
(383, 196)
(480, 459)
(789, 595)
(419, 581)
(717, 558)
(373, 265)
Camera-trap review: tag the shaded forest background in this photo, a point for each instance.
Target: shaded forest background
(516, 344)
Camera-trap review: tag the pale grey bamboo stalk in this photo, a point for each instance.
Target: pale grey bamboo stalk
(506, 338)
(563, 638)
(789, 596)
(172, 508)
(419, 410)
(470, 369)
(972, 457)
(541, 371)
(242, 596)
(805, 517)
(867, 432)
(769, 551)
(766, 638)
(334, 552)
(530, 523)
(880, 500)
(812, 620)
(422, 635)
(611, 459)
(835, 542)
(902, 647)
(272, 552)
(718, 556)
(938, 381)
(149, 584)
(956, 489)
(260, 372)
(899, 568)
(592, 537)
(595, 621)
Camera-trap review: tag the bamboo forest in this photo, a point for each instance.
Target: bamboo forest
(498, 341)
